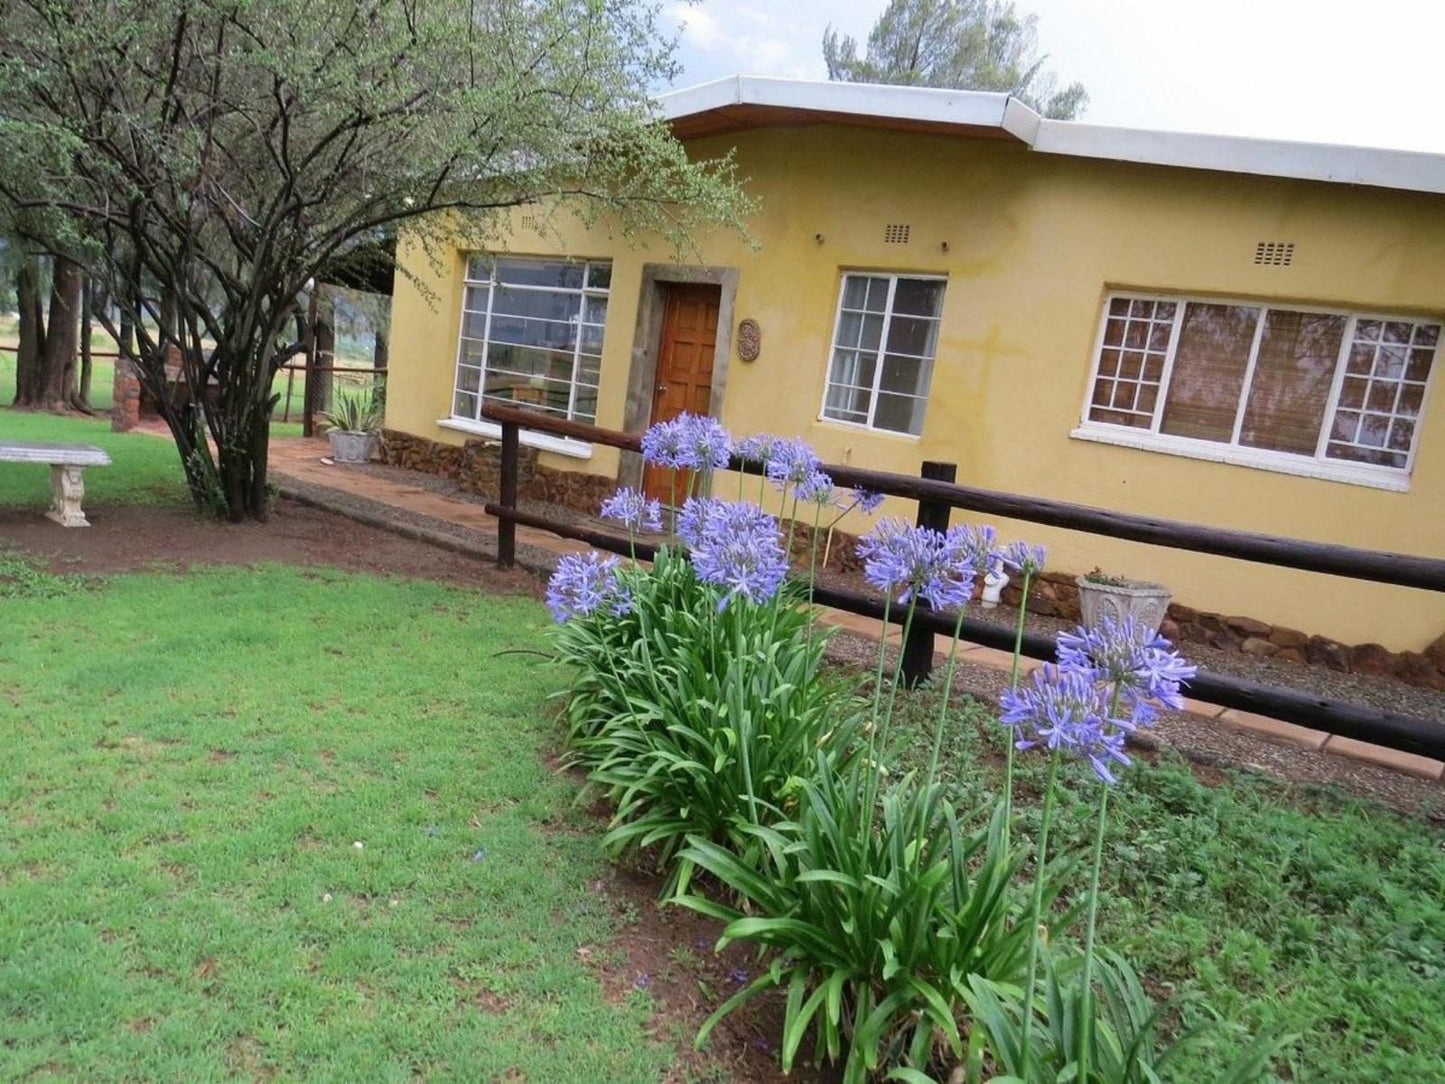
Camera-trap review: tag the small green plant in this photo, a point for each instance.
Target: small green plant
(354, 412)
(23, 576)
(1104, 579)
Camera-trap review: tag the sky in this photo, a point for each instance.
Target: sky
(1322, 71)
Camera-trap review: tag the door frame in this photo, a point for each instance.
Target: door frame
(646, 343)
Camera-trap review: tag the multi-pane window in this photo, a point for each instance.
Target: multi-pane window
(532, 334)
(1279, 380)
(884, 343)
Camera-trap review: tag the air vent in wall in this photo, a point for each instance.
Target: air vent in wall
(1274, 253)
(895, 233)
(529, 222)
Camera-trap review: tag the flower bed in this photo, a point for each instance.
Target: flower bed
(913, 940)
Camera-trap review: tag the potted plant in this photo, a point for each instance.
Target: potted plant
(352, 425)
(1103, 595)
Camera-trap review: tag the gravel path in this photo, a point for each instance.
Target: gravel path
(1203, 742)
(1384, 693)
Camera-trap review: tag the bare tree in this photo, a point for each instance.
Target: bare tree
(212, 157)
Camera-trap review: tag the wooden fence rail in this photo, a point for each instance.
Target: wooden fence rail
(937, 495)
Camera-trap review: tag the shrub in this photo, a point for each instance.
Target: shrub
(875, 930)
(697, 721)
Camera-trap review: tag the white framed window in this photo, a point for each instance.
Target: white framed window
(885, 338)
(1294, 388)
(531, 335)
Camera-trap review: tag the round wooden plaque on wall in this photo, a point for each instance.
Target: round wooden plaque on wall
(750, 340)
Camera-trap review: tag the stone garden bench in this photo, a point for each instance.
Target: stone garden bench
(67, 461)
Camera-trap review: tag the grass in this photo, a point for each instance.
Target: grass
(190, 761)
(143, 470)
(1278, 908)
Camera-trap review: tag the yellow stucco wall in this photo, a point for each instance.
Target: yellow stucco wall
(1034, 242)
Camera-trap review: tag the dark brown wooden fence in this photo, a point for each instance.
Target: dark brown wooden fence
(937, 495)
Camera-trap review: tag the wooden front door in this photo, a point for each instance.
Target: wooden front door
(684, 368)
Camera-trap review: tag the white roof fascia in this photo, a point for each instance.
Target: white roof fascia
(1410, 170)
(971, 107)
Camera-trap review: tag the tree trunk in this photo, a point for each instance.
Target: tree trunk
(87, 291)
(61, 338)
(29, 356)
(325, 349)
(380, 360)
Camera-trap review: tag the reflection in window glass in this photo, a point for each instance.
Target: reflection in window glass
(531, 334)
(884, 343)
(1286, 381)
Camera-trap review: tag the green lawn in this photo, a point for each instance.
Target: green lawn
(190, 763)
(1284, 909)
(144, 469)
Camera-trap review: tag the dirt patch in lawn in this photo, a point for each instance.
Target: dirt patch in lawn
(131, 539)
(668, 951)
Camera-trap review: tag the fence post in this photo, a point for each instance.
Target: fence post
(918, 648)
(507, 498)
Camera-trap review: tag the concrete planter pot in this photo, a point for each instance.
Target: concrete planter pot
(351, 447)
(1145, 602)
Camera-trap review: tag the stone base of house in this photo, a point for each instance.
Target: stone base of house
(476, 468)
(1055, 594)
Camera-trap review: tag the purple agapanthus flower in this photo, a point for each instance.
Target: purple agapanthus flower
(867, 501)
(759, 447)
(692, 521)
(816, 488)
(1067, 711)
(792, 461)
(915, 562)
(584, 583)
(1125, 656)
(634, 510)
(668, 444)
(739, 549)
(710, 444)
(1025, 557)
(975, 545)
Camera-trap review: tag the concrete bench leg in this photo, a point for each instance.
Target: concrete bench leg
(67, 487)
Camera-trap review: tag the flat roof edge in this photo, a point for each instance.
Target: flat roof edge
(1331, 163)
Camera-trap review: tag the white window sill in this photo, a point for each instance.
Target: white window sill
(1280, 463)
(859, 427)
(543, 442)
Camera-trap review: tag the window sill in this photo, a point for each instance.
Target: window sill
(543, 442)
(859, 427)
(1358, 475)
